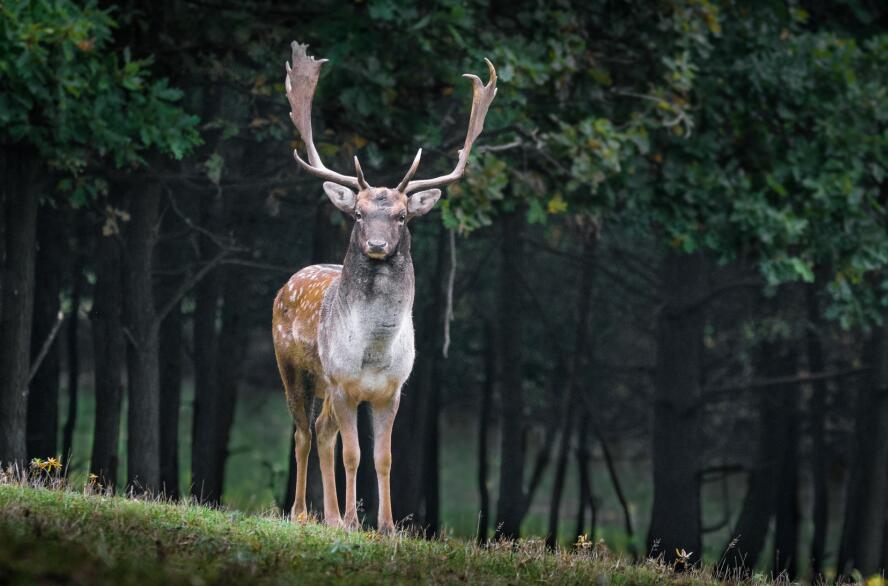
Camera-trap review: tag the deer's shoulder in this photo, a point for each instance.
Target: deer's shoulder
(297, 306)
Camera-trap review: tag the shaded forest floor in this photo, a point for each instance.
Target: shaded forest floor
(58, 536)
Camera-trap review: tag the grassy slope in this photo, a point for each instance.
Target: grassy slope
(51, 536)
(260, 444)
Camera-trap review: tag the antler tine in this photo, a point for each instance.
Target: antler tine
(410, 173)
(362, 183)
(300, 82)
(482, 96)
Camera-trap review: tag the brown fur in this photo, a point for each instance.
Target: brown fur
(295, 318)
(363, 348)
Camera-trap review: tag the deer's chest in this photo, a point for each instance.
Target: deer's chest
(368, 348)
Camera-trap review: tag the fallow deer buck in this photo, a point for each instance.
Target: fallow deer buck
(344, 333)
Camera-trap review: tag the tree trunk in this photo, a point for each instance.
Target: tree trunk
(483, 428)
(675, 518)
(560, 473)
(773, 482)
(21, 196)
(409, 435)
(170, 359)
(618, 490)
(407, 439)
(232, 349)
(204, 466)
(366, 479)
(205, 429)
(431, 466)
(569, 407)
(749, 535)
(43, 400)
(109, 350)
(5, 196)
(73, 347)
(510, 506)
(819, 457)
(143, 416)
(748, 539)
(786, 507)
(865, 506)
(432, 434)
(171, 262)
(586, 498)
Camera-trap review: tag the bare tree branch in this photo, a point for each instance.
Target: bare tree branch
(188, 284)
(44, 350)
(726, 392)
(219, 241)
(260, 266)
(448, 311)
(612, 471)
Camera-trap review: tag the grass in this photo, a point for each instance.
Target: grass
(257, 469)
(259, 450)
(50, 536)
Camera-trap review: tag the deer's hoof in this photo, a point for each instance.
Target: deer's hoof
(386, 528)
(350, 523)
(332, 521)
(301, 517)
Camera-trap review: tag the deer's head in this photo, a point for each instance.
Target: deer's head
(380, 213)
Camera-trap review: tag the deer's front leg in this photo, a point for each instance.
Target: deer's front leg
(347, 418)
(383, 420)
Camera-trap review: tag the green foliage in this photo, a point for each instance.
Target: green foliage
(70, 94)
(393, 83)
(472, 204)
(748, 134)
(775, 152)
(787, 163)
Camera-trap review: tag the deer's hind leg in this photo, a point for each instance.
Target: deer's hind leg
(327, 429)
(297, 385)
(346, 414)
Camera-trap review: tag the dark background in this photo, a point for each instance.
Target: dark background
(670, 250)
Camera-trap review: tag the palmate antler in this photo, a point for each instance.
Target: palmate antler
(482, 96)
(301, 81)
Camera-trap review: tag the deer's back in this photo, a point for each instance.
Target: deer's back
(297, 315)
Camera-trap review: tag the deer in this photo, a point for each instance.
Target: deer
(343, 334)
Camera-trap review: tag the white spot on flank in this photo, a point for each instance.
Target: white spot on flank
(296, 333)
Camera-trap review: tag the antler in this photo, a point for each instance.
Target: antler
(482, 96)
(301, 81)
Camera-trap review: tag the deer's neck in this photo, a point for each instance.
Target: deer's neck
(377, 294)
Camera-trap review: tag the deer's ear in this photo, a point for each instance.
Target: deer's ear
(341, 196)
(421, 202)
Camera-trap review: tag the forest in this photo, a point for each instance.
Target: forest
(653, 311)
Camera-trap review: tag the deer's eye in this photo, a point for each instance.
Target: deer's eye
(358, 214)
(402, 217)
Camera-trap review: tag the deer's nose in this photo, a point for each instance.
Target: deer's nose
(377, 245)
